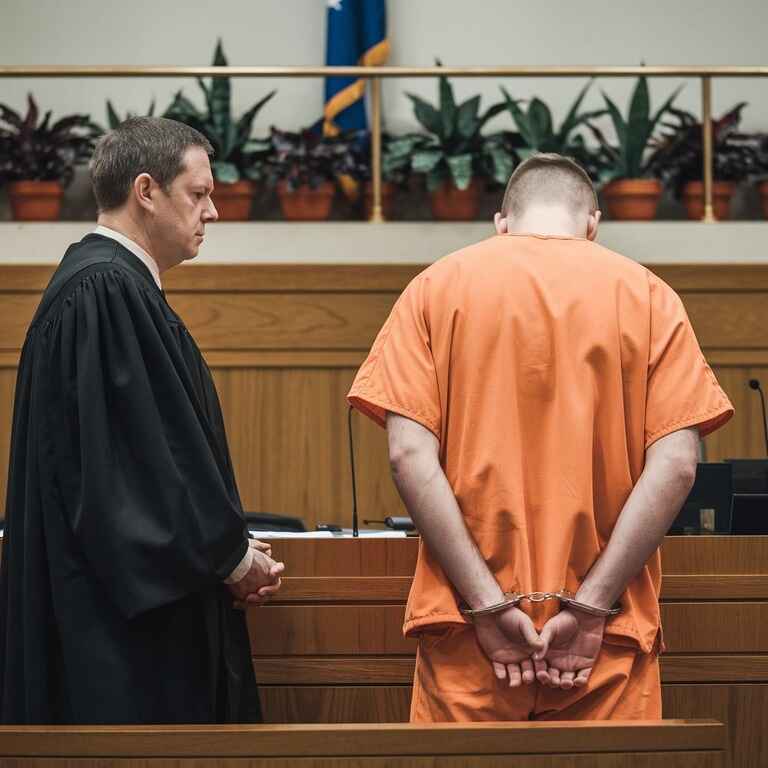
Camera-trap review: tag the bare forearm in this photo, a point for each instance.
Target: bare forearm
(649, 511)
(429, 499)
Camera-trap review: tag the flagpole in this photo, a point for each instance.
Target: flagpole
(377, 214)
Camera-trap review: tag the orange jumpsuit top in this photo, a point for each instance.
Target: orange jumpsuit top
(545, 366)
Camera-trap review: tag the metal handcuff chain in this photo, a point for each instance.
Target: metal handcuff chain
(513, 599)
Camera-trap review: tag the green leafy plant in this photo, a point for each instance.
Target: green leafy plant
(536, 128)
(634, 133)
(396, 156)
(455, 148)
(36, 150)
(308, 158)
(679, 156)
(114, 119)
(237, 155)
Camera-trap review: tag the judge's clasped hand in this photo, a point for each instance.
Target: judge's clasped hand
(263, 577)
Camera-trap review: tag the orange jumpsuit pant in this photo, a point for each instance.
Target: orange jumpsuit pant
(454, 682)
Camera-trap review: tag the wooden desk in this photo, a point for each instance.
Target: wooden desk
(334, 650)
(668, 744)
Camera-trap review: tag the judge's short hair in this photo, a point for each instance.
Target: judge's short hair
(548, 178)
(153, 145)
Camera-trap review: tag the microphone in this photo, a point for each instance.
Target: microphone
(355, 528)
(755, 384)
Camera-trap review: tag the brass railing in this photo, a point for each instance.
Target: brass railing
(375, 74)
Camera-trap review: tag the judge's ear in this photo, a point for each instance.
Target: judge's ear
(500, 223)
(593, 222)
(144, 187)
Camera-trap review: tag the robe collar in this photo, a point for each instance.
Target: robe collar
(134, 248)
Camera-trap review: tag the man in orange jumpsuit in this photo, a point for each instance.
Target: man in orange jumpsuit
(543, 398)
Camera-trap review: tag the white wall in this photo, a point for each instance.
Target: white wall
(290, 32)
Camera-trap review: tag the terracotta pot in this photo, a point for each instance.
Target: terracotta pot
(35, 200)
(233, 200)
(387, 199)
(305, 203)
(693, 197)
(452, 204)
(632, 199)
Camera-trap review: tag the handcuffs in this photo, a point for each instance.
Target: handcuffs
(513, 599)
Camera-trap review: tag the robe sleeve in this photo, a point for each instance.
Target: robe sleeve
(399, 374)
(682, 389)
(143, 486)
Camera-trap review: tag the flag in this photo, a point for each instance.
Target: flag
(356, 34)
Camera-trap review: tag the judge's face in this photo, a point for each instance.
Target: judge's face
(182, 211)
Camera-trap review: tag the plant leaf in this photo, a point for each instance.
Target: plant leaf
(460, 167)
(113, 118)
(435, 177)
(225, 172)
(502, 163)
(520, 119)
(220, 101)
(573, 118)
(425, 160)
(621, 133)
(467, 123)
(540, 121)
(30, 121)
(426, 114)
(491, 112)
(447, 109)
(245, 123)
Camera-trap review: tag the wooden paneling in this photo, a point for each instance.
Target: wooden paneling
(337, 704)
(329, 629)
(378, 671)
(284, 342)
(716, 627)
(744, 708)
(714, 555)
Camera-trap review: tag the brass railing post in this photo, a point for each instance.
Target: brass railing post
(377, 214)
(708, 154)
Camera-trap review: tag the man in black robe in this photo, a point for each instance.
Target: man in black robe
(125, 545)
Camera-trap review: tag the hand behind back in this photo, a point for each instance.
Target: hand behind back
(509, 639)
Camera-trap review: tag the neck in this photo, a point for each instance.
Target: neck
(133, 228)
(556, 221)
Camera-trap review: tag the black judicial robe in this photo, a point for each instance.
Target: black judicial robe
(122, 514)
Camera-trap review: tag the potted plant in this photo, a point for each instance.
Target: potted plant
(305, 165)
(238, 159)
(396, 156)
(537, 130)
(631, 191)
(678, 160)
(37, 159)
(455, 155)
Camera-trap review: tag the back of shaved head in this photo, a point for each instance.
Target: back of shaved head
(549, 180)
